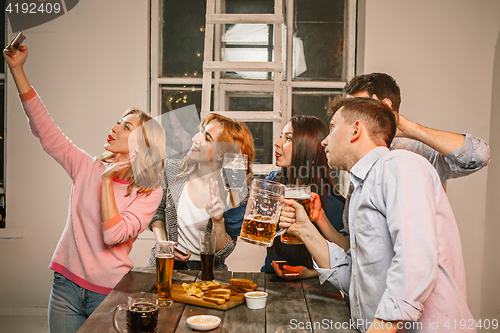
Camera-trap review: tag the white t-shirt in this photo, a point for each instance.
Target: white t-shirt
(190, 220)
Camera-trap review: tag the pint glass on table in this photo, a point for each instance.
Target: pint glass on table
(164, 253)
(207, 254)
(301, 194)
(262, 212)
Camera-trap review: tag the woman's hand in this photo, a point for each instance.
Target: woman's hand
(17, 58)
(180, 257)
(116, 166)
(16, 61)
(294, 272)
(108, 203)
(315, 206)
(215, 208)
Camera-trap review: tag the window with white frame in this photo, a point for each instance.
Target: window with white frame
(317, 53)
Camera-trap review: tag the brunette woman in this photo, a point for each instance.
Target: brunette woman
(303, 162)
(193, 199)
(112, 201)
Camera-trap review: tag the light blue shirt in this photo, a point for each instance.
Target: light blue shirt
(405, 262)
(474, 155)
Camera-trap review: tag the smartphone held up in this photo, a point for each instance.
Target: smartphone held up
(15, 43)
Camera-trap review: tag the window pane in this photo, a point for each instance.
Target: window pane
(239, 101)
(248, 43)
(312, 103)
(181, 125)
(183, 30)
(249, 6)
(320, 38)
(178, 97)
(263, 141)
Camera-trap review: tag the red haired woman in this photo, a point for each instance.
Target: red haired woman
(193, 189)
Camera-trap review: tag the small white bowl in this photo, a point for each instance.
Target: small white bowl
(203, 322)
(256, 299)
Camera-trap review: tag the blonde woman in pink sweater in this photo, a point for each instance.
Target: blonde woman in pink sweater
(113, 198)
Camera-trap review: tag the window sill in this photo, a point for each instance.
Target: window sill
(11, 233)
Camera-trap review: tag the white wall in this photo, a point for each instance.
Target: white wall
(440, 51)
(88, 66)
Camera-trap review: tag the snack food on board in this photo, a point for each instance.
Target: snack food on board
(214, 292)
(219, 291)
(242, 285)
(241, 282)
(218, 301)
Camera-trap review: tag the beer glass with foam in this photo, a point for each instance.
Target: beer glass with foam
(207, 254)
(142, 313)
(164, 254)
(301, 194)
(262, 213)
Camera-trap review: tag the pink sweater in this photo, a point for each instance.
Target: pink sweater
(91, 253)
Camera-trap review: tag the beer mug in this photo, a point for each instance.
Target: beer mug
(262, 213)
(142, 313)
(301, 194)
(164, 254)
(234, 172)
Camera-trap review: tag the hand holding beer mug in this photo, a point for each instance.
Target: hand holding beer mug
(234, 172)
(301, 194)
(142, 313)
(262, 212)
(207, 255)
(164, 254)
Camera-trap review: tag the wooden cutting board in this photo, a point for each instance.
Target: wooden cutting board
(179, 295)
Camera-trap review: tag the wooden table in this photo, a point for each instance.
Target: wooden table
(292, 306)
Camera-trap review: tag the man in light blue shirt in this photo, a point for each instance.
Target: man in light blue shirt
(404, 268)
(453, 155)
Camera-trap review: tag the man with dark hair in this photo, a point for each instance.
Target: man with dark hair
(453, 155)
(404, 268)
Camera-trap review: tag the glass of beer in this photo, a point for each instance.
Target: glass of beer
(262, 213)
(207, 254)
(164, 254)
(142, 313)
(301, 194)
(234, 172)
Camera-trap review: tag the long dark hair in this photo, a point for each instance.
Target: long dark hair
(309, 165)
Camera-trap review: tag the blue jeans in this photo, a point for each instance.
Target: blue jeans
(70, 305)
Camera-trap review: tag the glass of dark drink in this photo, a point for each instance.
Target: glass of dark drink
(142, 313)
(164, 255)
(207, 254)
(234, 172)
(301, 194)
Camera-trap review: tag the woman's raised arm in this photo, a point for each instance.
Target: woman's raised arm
(15, 61)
